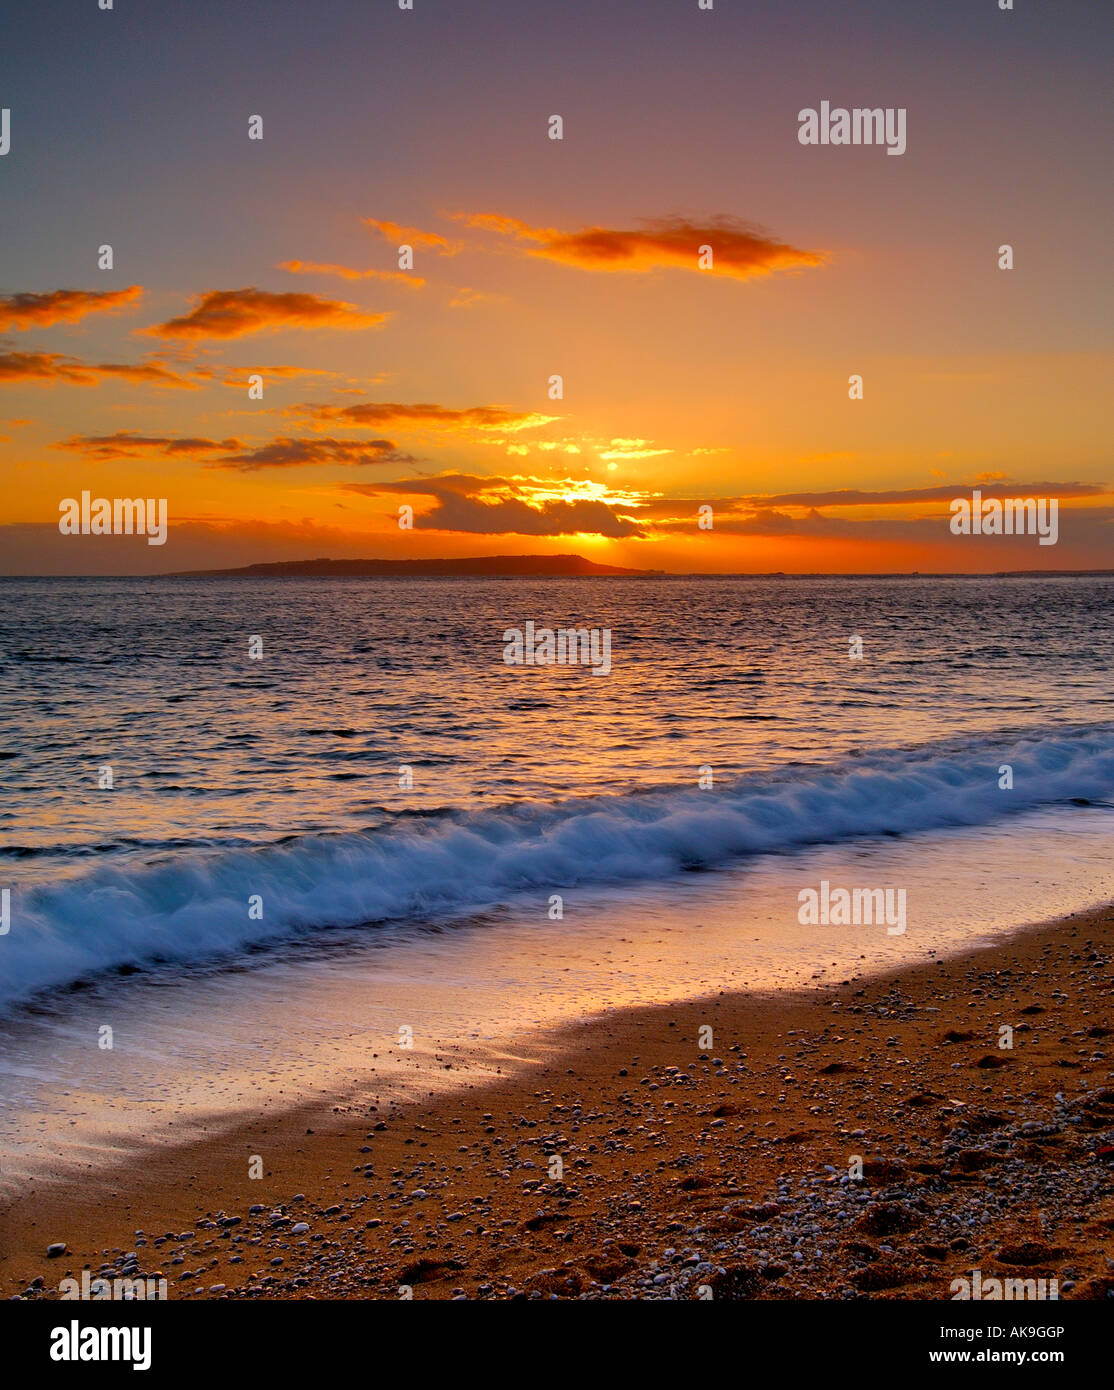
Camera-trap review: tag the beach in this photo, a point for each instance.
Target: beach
(685, 1172)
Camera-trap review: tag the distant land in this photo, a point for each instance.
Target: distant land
(480, 566)
(557, 567)
(545, 567)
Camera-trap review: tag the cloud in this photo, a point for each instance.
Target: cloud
(739, 249)
(765, 508)
(766, 516)
(151, 373)
(375, 414)
(130, 444)
(62, 306)
(853, 497)
(45, 367)
(468, 298)
(1077, 525)
(235, 454)
(54, 367)
(412, 236)
(464, 504)
(234, 313)
(239, 375)
(347, 273)
(620, 449)
(304, 453)
(609, 451)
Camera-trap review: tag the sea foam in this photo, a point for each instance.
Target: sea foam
(192, 907)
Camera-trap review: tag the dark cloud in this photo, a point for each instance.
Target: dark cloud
(130, 444)
(314, 452)
(376, 414)
(480, 513)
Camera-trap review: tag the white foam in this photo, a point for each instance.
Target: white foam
(193, 907)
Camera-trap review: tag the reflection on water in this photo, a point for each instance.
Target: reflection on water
(360, 678)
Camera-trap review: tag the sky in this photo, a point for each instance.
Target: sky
(689, 379)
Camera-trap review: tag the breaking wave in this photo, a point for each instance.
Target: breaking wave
(192, 906)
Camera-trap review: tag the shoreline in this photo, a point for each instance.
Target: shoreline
(726, 1167)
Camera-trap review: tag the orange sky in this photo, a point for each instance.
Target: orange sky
(705, 355)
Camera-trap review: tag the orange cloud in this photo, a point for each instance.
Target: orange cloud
(44, 367)
(62, 306)
(302, 453)
(739, 249)
(234, 313)
(53, 367)
(854, 497)
(240, 375)
(468, 298)
(374, 414)
(347, 273)
(412, 236)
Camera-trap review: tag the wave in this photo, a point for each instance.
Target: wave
(194, 906)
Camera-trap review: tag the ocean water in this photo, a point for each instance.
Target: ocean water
(427, 910)
(279, 779)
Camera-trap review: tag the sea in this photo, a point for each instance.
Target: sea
(268, 839)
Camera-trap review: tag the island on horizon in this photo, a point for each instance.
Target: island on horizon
(559, 567)
(479, 566)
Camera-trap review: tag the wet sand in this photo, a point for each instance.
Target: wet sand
(687, 1163)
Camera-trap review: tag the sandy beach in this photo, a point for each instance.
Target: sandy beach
(731, 1167)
